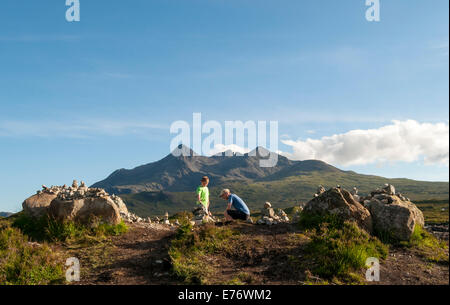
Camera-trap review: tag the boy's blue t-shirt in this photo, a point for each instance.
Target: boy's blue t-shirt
(238, 204)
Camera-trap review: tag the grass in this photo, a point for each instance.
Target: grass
(434, 211)
(422, 242)
(339, 249)
(49, 229)
(428, 246)
(22, 263)
(190, 248)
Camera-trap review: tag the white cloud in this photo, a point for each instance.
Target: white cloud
(219, 148)
(406, 141)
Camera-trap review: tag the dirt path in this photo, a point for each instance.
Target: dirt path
(406, 267)
(138, 257)
(259, 255)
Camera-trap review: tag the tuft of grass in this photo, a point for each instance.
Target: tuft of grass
(339, 248)
(22, 263)
(105, 229)
(190, 248)
(428, 245)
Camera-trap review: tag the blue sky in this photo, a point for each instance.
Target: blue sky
(79, 100)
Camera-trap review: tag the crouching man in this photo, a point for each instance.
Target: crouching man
(240, 209)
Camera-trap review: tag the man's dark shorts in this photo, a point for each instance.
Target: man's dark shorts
(236, 214)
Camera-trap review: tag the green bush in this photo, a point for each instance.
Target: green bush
(310, 221)
(22, 263)
(338, 248)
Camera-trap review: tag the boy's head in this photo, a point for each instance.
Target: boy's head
(204, 181)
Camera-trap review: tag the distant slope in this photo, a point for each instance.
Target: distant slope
(182, 173)
(5, 214)
(169, 184)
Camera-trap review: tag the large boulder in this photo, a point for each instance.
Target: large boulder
(77, 202)
(339, 202)
(393, 215)
(85, 210)
(37, 205)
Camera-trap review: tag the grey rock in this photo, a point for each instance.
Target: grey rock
(340, 202)
(395, 217)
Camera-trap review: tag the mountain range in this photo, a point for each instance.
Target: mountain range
(169, 184)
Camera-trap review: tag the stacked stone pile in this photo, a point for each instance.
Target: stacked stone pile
(201, 216)
(269, 217)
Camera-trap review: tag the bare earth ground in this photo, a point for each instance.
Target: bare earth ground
(259, 255)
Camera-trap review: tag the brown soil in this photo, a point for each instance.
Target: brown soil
(259, 255)
(407, 267)
(138, 257)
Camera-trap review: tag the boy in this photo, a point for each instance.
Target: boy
(203, 194)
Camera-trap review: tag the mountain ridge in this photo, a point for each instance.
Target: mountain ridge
(182, 173)
(169, 184)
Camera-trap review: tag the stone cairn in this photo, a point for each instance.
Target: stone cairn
(384, 195)
(156, 220)
(355, 195)
(166, 219)
(76, 191)
(320, 191)
(130, 217)
(201, 216)
(268, 216)
(81, 191)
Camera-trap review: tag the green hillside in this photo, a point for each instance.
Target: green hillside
(282, 193)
